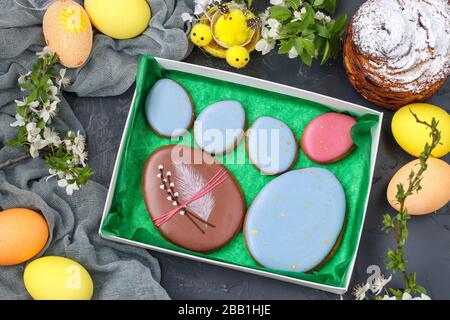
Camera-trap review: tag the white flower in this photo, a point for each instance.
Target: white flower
(46, 51)
(278, 2)
(322, 17)
(407, 296)
(386, 297)
(20, 103)
(23, 78)
(275, 26)
(297, 16)
(20, 121)
(70, 187)
(186, 17)
(81, 158)
(265, 46)
(51, 137)
(79, 143)
(37, 145)
(293, 53)
(54, 173)
(53, 91)
(200, 6)
(33, 106)
(359, 291)
(62, 79)
(379, 283)
(33, 132)
(48, 110)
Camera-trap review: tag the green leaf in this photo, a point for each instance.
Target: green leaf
(11, 143)
(306, 57)
(338, 26)
(318, 3)
(298, 46)
(309, 46)
(326, 53)
(323, 31)
(294, 4)
(280, 13)
(286, 45)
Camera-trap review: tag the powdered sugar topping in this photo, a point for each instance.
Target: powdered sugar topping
(407, 41)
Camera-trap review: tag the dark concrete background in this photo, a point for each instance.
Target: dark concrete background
(428, 246)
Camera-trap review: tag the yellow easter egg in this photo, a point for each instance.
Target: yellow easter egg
(68, 32)
(119, 19)
(435, 192)
(237, 57)
(412, 136)
(23, 234)
(57, 278)
(201, 35)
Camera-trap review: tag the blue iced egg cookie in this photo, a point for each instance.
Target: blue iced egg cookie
(296, 220)
(271, 145)
(220, 127)
(168, 109)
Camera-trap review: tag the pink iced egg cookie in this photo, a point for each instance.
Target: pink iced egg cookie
(327, 138)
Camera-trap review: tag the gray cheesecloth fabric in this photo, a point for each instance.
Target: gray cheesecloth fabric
(118, 271)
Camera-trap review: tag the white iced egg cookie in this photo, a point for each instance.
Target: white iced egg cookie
(295, 222)
(220, 127)
(168, 109)
(271, 145)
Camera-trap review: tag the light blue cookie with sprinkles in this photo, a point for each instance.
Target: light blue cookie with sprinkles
(220, 127)
(295, 222)
(168, 109)
(271, 146)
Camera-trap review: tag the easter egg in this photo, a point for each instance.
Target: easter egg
(168, 109)
(68, 32)
(296, 220)
(119, 19)
(57, 278)
(23, 234)
(412, 136)
(327, 138)
(220, 127)
(435, 192)
(237, 57)
(201, 35)
(271, 146)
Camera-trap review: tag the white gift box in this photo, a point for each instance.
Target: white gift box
(332, 103)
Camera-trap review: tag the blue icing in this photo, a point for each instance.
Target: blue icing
(220, 126)
(295, 220)
(168, 108)
(271, 145)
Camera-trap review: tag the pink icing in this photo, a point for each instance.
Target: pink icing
(327, 137)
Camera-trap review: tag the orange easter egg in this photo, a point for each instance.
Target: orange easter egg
(68, 32)
(435, 192)
(23, 234)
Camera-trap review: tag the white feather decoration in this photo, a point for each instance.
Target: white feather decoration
(188, 183)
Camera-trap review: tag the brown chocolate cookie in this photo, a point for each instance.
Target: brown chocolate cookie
(175, 174)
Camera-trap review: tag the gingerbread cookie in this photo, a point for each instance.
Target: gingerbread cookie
(327, 138)
(168, 109)
(220, 127)
(271, 146)
(296, 220)
(193, 200)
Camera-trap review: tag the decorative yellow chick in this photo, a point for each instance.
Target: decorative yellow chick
(201, 35)
(237, 57)
(231, 28)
